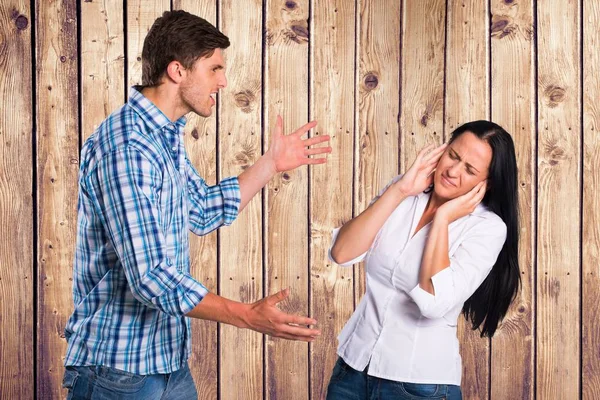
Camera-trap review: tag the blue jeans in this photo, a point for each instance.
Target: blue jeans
(99, 383)
(349, 384)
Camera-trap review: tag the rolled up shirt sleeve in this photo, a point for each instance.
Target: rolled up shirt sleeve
(358, 259)
(336, 231)
(469, 266)
(126, 185)
(211, 206)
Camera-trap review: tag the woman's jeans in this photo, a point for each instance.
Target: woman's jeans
(100, 382)
(349, 384)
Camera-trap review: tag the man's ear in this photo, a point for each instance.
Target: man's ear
(176, 72)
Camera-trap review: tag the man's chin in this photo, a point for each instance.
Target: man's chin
(204, 113)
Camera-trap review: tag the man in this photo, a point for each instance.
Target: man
(138, 196)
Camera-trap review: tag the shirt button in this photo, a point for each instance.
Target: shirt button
(174, 149)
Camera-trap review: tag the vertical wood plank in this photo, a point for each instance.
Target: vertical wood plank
(513, 107)
(286, 93)
(467, 99)
(422, 117)
(377, 106)
(591, 202)
(240, 268)
(102, 62)
(16, 225)
(57, 168)
(141, 14)
(558, 285)
(332, 104)
(201, 145)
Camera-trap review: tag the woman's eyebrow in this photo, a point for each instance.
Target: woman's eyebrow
(455, 154)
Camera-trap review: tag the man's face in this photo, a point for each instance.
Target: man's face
(202, 82)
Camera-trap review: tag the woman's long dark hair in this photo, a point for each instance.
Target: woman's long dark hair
(490, 302)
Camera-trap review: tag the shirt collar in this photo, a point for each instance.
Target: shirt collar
(148, 111)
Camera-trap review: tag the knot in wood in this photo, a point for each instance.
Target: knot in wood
(371, 81)
(22, 22)
(555, 95)
(244, 100)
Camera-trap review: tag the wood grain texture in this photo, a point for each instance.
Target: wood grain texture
(102, 62)
(346, 64)
(141, 14)
(590, 292)
(558, 286)
(467, 99)
(201, 145)
(240, 268)
(423, 38)
(57, 168)
(332, 104)
(513, 107)
(16, 206)
(286, 202)
(377, 107)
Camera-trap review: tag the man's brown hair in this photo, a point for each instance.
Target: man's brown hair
(178, 36)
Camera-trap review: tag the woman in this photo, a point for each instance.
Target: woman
(440, 239)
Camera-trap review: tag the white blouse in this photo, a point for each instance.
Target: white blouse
(402, 332)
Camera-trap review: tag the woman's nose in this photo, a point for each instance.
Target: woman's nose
(454, 169)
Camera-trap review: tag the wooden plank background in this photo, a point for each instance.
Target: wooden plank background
(383, 78)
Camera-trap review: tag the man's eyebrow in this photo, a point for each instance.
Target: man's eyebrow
(457, 156)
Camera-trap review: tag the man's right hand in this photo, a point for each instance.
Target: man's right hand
(264, 316)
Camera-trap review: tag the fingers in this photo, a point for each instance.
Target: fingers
(312, 161)
(317, 150)
(435, 154)
(305, 128)
(425, 150)
(477, 194)
(278, 297)
(292, 337)
(299, 330)
(315, 140)
(298, 320)
(278, 126)
(294, 328)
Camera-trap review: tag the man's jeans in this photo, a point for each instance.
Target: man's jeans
(100, 382)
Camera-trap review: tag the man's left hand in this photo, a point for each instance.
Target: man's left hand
(291, 151)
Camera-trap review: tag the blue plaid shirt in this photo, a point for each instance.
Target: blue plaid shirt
(138, 196)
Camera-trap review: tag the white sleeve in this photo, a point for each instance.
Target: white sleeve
(469, 266)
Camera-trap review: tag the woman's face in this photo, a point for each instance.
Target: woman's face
(463, 165)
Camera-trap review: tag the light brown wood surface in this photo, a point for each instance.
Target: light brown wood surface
(141, 14)
(383, 78)
(102, 62)
(17, 283)
(57, 164)
(240, 249)
(332, 104)
(467, 99)
(286, 197)
(201, 145)
(590, 291)
(513, 107)
(377, 107)
(558, 188)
